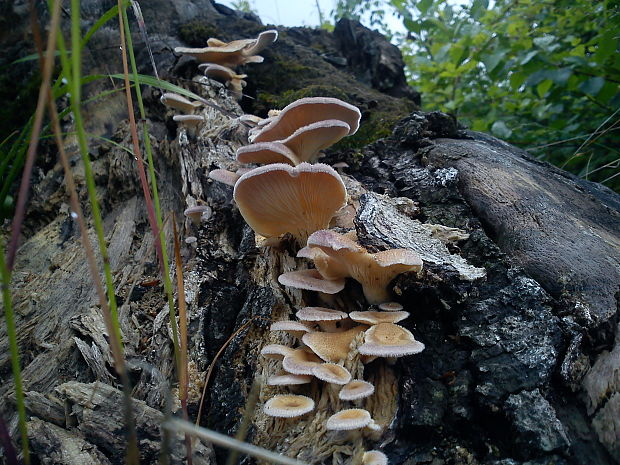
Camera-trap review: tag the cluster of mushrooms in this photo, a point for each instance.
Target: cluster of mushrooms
(291, 195)
(218, 61)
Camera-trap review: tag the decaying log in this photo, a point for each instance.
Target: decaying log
(517, 303)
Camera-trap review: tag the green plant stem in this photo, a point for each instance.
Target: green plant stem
(17, 375)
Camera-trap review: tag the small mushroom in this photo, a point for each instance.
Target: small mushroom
(288, 379)
(188, 121)
(326, 318)
(332, 373)
(277, 199)
(295, 328)
(389, 340)
(349, 419)
(276, 351)
(264, 153)
(374, 318)
(196, 213)
(374, 457)
(288, 406)
(332, 347)
(311, 280)
(178, 102)
(224, 176)
(233, 81)
(306, 111)
(300, 362)
(390, 307)
(356, 389)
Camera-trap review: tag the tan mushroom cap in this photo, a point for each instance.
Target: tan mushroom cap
(277, 199)
(342, 258)
(332, 347)
(311, 280)
(353, 418)
(356, 389)
(300, 362)
(219, 72)
(307, 141)
(276, 351)
(374, 457)
(288, 379)
(390, 307)
(373, 318)
(267, 152)
(306, 111)
(327, 319)
(179, 102)
(294, 328)
(288, 406)
(332, 373)
(190, 121)
(389, 340)
(264, 40)
(196, 213)
(224, 176)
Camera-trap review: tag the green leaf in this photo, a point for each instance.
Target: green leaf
(560, 76)
(478, 8)
(517, 79)
(526, 59)
(606, 46)
(500, 130)
(491, 61)
(592, 86)
(424, 5)
(543, 87)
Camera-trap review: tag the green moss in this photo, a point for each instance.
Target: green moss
(280, 101)
(195, 33)
(377, 126)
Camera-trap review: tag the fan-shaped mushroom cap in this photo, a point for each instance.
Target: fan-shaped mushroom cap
(267, 152)
(374, 457)
(288, 406)
(294, 328)
(179, 102)
(332, 347)
(342, 257)
(306, 111)
(356, 389)
(390, 307)
(276, 351)
(288, 379)
(189, 121)
(373, 318)
(250, 120)
(332, 373)
(300, 362)
(389, 340)
(307, 141)
(311, 280)
(224, 74)
(353, 418)
(196, 213)
(224, 176)
(326, 318)
(277, 199)
(264, 40)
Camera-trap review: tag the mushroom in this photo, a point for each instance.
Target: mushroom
(332, 373)
(188, 121)
(332, 347)
(389, 340)
(390, 307)
(276, 351)
(326, 318)
(311, 280)
(341, 257)
(224, 176)
(373, 318)
(356, 389)
(267, 152)
(306, 111)
(178, 102)
(349, 419)
(288, 406)
(300, 362)
(277, 199)
(288, 379)
(250, 120)
(233, 81)
(295, 328)
(374, 457)
(196, 213)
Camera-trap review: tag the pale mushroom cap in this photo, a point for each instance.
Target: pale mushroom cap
(250, 120)
(374, 457)
(196, 213)
(306, 111)
(307, 141)
(356, 389)
(179, 102)
(267, 152)
(276, 351)
(311, 280)
(295, 328)
(228, 55)
(224, 176)
(332, 373)
(390, 307)
(300, 362)
(389, 340)
(288, 379)
(219, 72)
(353, 418)
(320, 314)
(190, 121)
(288, 406)
(277, 199)
(373, 318)
(332, 347)
(264, 40)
